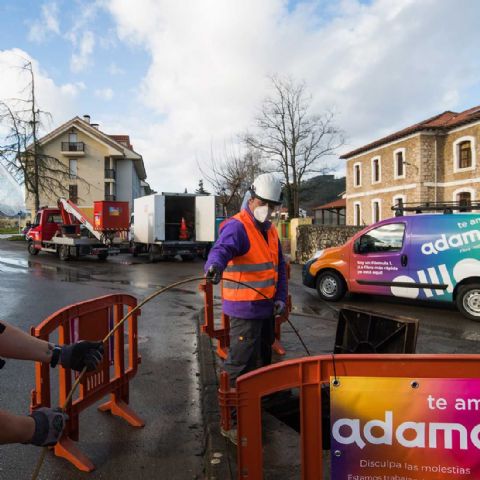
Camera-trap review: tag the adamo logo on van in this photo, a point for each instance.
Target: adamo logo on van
(452, 241)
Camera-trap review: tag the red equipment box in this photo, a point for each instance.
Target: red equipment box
(111, 215)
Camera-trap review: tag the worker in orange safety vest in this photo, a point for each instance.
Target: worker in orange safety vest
(248, 250)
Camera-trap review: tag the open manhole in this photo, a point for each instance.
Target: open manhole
(285, 407)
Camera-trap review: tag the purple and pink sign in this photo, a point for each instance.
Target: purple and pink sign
(405, 429)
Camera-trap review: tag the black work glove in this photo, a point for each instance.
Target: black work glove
(214, 274)
(82, 354)
(49, 425)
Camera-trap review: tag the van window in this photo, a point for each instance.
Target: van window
(387, 238)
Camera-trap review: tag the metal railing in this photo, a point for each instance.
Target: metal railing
(445, 207)
(73, 147)
(110, 173)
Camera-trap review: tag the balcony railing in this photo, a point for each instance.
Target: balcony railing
(110, 173)
(110, 198)
(73, 147)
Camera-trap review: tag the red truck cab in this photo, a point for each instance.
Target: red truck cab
(47, 224)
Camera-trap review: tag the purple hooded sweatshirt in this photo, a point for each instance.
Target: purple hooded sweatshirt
(233, 242)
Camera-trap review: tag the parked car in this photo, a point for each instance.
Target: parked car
(423, 256)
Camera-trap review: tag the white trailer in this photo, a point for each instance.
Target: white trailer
(169, 224)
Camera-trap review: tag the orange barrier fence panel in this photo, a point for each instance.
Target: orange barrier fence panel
(308, 375)
(90, 320)
(222, 334)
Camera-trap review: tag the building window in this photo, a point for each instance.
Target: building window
(376, 211)
(399, 163)
(376, 172)
(73, 193)
(464, 154)
(110, 191)
(398, 201)
(72, 138)
(357, 214)
(464, 198)
(357, 175)
(72, 164)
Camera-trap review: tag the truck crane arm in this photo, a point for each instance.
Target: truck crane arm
(67, 207)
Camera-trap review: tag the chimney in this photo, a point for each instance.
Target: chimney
(94, 125)
(87, 118)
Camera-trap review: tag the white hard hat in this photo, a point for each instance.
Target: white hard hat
(267, 187)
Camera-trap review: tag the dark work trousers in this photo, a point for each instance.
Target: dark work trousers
(250, 345)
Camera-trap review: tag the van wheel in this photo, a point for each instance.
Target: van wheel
(31, 248)
(63, 252)
(330, 286)
(468, 301)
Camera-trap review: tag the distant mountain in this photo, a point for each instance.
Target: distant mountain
(319, 190)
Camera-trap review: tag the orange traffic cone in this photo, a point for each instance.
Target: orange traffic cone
(183, 230)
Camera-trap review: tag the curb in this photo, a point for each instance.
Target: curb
(217, 454)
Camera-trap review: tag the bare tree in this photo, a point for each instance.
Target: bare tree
(231, 176)
(20, 150)
(295, 142)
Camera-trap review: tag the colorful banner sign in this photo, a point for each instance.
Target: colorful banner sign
(405, 429)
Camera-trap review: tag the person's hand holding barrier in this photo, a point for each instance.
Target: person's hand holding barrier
(82, 354)
(49, 425)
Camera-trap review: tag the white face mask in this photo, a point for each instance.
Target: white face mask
(261, 213)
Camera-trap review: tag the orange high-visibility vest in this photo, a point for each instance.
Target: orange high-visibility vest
(257, 268)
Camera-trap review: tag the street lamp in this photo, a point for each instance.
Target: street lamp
(19, 215)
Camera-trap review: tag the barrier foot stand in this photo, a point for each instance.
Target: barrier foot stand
(67, 449)
(278, 348)
(121, 409)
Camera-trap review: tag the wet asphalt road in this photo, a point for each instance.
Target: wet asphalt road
(166, 390)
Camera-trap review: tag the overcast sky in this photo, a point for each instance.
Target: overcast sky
(184, 78)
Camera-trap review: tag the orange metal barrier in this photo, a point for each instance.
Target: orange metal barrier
(308, 374)
(90, 320)
(222, 334)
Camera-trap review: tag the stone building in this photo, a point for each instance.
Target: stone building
(431, 161)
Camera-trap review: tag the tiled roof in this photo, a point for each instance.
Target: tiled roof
(341, 203)
(442, 122)
(123, 139)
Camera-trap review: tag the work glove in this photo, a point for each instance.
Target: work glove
(49, 425)
(279, 308)
(82, 354)
(214, 274)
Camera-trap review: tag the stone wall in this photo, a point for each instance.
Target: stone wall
(311, 238)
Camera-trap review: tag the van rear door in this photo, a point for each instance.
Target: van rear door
(378, 261)
(205, 218)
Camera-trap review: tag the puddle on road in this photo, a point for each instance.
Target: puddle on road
(314, 311)
(15, 262)
(71, 274)
(473, 336)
